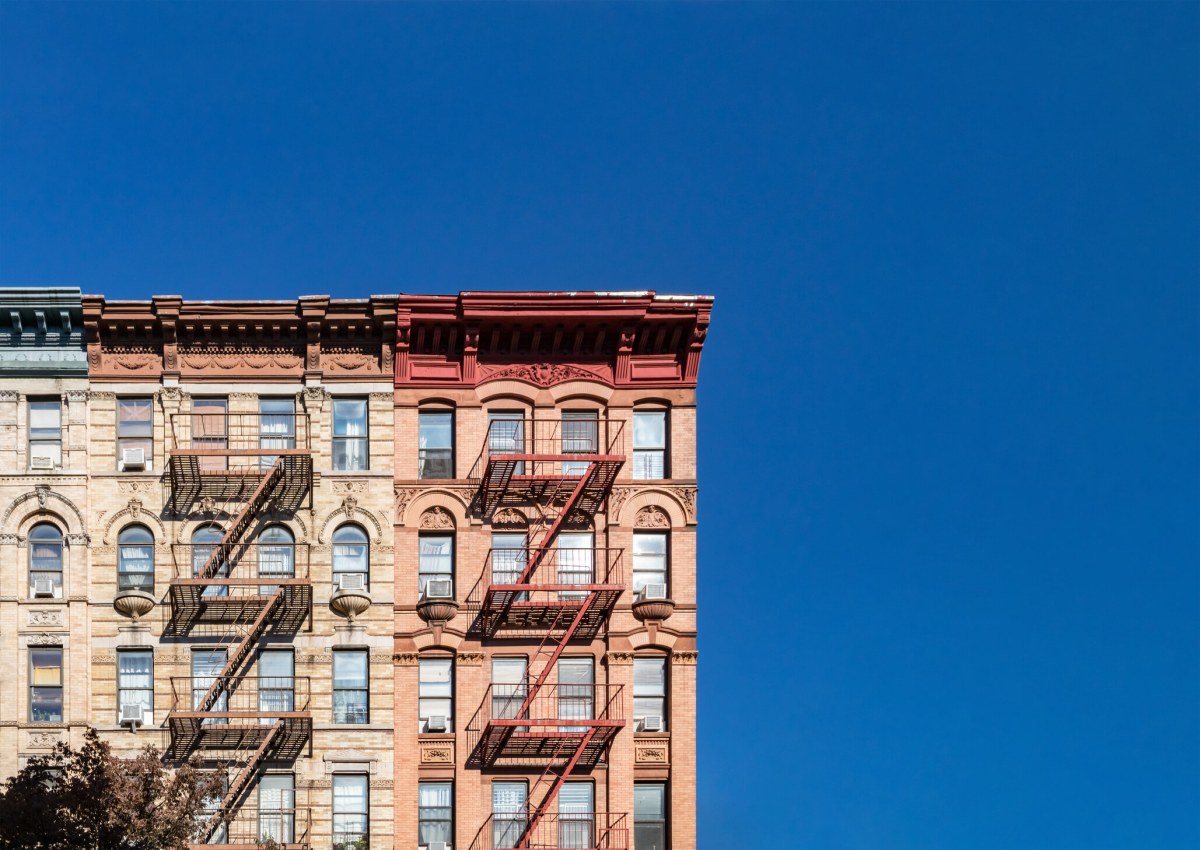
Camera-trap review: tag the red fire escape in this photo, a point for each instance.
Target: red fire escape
(227, 594)
(563, 469)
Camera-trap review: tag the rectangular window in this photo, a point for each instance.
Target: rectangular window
(509, 681)
(277, 808)
(649, 559)
(435, 694)
(135, 680)
(207, 665)
(576, 691)
(350, 434)
(276, 426)
(575, 562)
(435, 813)
(46, 685)
(649, 816)
(509, 555)
(576, 815)
(580, 435)
(436, 438)
(350, 811)
(210, 430)
(436, 560)
(276, 682)
(649, 444)
(350, 686)
(649, 692)
(508, 813)
(45, 434)
(45, 561)
(506, 435)
(135, 433)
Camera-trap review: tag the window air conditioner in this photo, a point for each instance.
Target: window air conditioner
(653, 591)
(436, 723)
(39, 462)
(439, 588)
(652, 723)
(43, 586)
(132, 715)
(352, 581)
(133, 459)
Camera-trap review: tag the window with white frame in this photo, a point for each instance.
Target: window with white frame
(135, 680)
(135, 559)
(210, 430)
(350, 812)
(580, 435)
(45, 433)
(435, 695)
(276, 426)
(435, 813)
(576, 815)
(46, 684)
(576, 692)
(351, 686)
(351, 554)
(509, 812)
(650, 693)
(574, 550)
(277, 808)
(510, 680)
(350, 451)
(135, 433)
(649, 559)
(436, 444)
(436, 560)
(45, 561)
(649, 816)
(649, 444)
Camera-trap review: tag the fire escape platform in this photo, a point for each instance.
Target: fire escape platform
(231, 731)
(527, 743)
(193, 477)
(193, 603)
(533, 610)
(519, 479)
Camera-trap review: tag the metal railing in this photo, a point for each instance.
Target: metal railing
(242, 563)
(558, 831)
(250, 826)
(223, 435)
(546, 446)
(244, 696)
(560, 574)
(550, 707)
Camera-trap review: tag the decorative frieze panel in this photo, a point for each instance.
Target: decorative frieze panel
(43, 740)
(437, 752)
(652, 751)
(50, 617)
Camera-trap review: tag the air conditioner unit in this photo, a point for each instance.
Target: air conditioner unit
(132, 715)
(437, 845)
(133, 459)
(39, 462)
(653, 591)
(43, 586)
(439, 588)
(352, 581)
(436, 723)
(652, 723)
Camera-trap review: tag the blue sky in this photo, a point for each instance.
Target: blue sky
(950, 397)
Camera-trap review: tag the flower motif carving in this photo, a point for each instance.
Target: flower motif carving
(544, 374)
(437, 518)
(45, 618)
(510, 517)
(43, 740)
(651, 517)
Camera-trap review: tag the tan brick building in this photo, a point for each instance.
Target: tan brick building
(413, 571)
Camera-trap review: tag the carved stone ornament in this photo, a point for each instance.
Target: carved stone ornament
(650, 752)
(9, 538)
(74, 396)
(207, 506)
(43, 493)
(619, 658)
(404, 495)
(9, 395)
(437, 518)
(349, 504)
(510, 517)
(170, 394)
(43, 639)
(616, 498)
(437, 754)
(651, 517)
(52, 617)
(470, 659)
(544, 374)
(684, 659)
(406, 659)
(687, 496)
(44, 740)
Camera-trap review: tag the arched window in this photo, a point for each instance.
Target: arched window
(350, 554)
(46, 561)
(276, 552)
(204, 542)
(135, 559)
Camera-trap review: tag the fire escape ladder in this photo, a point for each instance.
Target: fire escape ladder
(258, 499)
(241, 782)
(560, 777)
(240, 652)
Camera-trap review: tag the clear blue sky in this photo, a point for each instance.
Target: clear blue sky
(950, 410)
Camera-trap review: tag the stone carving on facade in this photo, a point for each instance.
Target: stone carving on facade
(349, 486)
(351, 511)
(9, 395)
(43, 639)
(619, 658)
(437, 518)
(76, 396)
(540, 374)
(172, 394)
(9, 539)
(470, 659)
(254, 360)
(404, 495)
(685, 659)
(43, 617)
(616, 498)
(437, 754)
(650, 752)
(43, 740)
(687, 497)
(43, 493)
(651, 517)
(406, 659)
(314, 397)
(509, 517)
(77, 539)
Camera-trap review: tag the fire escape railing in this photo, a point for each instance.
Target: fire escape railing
(230, 593)
(564, 469)
(559, 831)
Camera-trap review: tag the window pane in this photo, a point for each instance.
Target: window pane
(436, 430)
(45, 419)
(649, 801)
(135, 417)
(47, 667)
(350, 418)
(650, 430)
